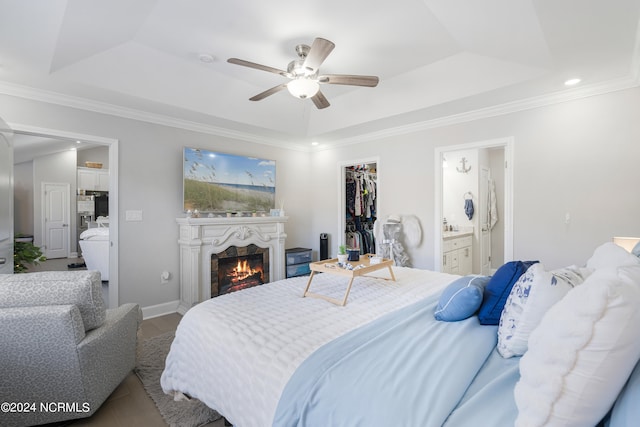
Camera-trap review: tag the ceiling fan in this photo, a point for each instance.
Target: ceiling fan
(304, 74)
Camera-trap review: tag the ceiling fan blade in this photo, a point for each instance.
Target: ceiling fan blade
(348, 79)
(256, 66)
(320, 101)
(320, 49)
(268, 92)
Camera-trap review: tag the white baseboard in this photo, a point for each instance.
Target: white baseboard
(182, 308)
(160, 309)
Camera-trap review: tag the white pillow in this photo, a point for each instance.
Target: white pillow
(530, 298)
(610, 255)
(582, 352)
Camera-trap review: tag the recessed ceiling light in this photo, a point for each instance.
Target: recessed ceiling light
(572, 82)
(206, 58)
(315, 143)
(78, 142)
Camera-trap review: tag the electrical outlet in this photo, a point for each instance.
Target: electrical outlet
(164, 277)
(133, 216)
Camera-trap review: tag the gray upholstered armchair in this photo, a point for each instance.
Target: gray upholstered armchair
(61, 353)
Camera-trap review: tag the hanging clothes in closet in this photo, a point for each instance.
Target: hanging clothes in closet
(361, 193)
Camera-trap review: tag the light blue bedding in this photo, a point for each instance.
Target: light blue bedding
(490, 396)
(404, 369)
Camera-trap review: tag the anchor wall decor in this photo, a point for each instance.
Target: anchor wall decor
(464, 168)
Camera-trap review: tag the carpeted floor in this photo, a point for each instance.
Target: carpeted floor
(149, 367)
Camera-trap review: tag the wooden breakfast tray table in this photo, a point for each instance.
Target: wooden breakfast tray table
(331, 266)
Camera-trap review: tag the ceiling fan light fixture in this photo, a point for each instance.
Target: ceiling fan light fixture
(303, 88)
(304, 74)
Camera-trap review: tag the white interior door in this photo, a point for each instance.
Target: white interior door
(56, 219)
(485, 231)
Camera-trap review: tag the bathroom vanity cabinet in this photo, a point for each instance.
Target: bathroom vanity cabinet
(457, 252)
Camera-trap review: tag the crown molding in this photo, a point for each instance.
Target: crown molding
(628, 82)
(57, 98)
(493, 111)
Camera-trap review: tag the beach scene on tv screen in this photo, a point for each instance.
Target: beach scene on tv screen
(221, 183)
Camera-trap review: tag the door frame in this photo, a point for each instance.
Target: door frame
(6, 185)
(507, 144)
(112, 143)
(44, 205)
(484, 241)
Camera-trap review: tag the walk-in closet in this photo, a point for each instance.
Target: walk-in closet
(361, 207)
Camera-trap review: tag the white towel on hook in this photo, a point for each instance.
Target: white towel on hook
(492, 216)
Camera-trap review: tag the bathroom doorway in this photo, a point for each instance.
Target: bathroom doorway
(471, 176)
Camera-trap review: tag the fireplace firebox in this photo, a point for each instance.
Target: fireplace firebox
(238, 268)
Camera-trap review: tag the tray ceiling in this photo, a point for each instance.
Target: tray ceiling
(436, 59)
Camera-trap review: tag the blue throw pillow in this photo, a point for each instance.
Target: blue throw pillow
(498, 289)
(461, 299)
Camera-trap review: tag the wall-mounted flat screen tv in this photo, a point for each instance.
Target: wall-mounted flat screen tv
(221, 183)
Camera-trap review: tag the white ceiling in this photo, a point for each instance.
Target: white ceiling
(436, 59)
(27, 147)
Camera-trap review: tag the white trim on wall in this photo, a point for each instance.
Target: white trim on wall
(51, 97)
(507, 143)
(113, 192)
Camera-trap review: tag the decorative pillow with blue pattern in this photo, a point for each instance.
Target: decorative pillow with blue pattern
(530, 298)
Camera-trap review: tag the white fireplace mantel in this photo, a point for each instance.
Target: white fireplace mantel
(199, 238)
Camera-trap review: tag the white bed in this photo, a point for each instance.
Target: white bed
(259, 336)
(266, 356)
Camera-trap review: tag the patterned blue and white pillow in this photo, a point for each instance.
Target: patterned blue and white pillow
(531, 296)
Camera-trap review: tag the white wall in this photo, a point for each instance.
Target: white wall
(456, 184)
(23, 198)
(579, 157)
(150, 179)
(96, 154)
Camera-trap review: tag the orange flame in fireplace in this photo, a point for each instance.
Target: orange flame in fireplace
(243, 270)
